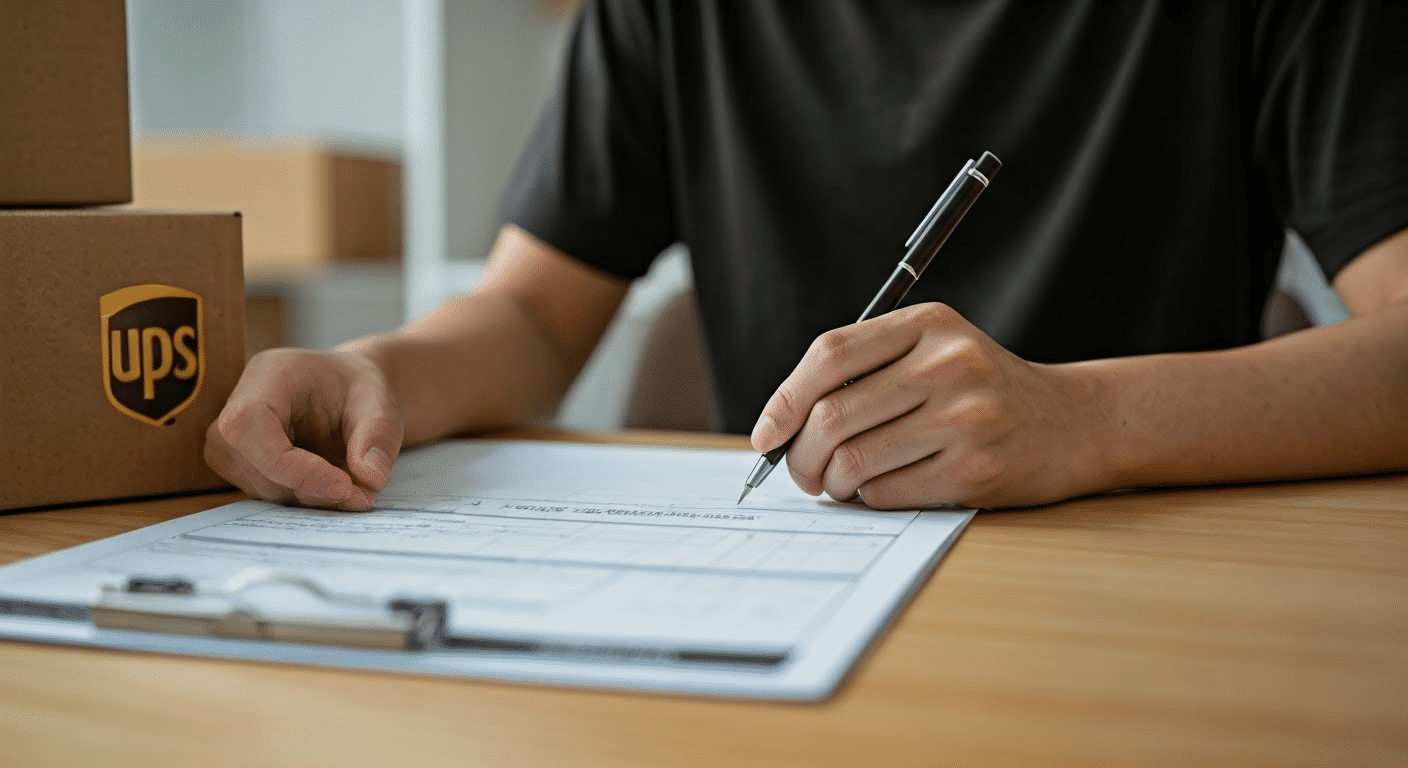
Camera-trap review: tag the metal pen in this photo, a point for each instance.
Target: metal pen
(926, 241)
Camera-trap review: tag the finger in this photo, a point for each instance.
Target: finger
(357, 501)
(877, 399)
(885, 448)
(228, 465)
(261, 487)
(958, 475)
(258, 438)
(374, 426)
(915, 485)
(973, 421)
(836, 357)
(240, 472)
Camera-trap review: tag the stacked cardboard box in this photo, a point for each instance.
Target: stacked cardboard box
(125, 326)
(63, 103)
(314, 213)
(306, 204)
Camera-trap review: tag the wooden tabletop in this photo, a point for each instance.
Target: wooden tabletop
(1250, 626)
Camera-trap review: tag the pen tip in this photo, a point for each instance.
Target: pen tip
(746, 489)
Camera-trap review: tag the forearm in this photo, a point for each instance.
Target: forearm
(475, 362)
(1326, 401)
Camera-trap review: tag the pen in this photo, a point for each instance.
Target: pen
(926, 241)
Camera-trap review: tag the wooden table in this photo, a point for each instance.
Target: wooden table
(1249, 626)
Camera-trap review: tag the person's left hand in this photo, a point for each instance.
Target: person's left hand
(936, 413)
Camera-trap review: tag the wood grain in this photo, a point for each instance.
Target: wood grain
(1250, 626)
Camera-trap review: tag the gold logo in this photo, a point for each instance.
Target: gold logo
(153, 351)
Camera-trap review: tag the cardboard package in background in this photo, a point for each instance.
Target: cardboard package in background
(305, 205)
(124, 335)
(64, 135)
(265, 322)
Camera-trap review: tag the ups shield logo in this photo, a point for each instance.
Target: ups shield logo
(153, 351)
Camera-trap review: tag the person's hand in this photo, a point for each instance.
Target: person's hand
(936, 413)
(321, 429)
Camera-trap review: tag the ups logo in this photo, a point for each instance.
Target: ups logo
(153, 351)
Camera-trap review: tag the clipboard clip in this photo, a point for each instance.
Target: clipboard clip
(303, 612)
(262, 605)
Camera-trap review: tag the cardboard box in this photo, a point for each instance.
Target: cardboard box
(265, 323)
(64, 136)
(305, 205)
(124, 335)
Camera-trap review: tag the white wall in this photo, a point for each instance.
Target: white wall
(501, 64)
(187, 66)
(261, 67)
(327, 68)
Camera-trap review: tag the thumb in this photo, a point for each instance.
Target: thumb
(374, 428)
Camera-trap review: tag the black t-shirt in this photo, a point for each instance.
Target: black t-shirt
(1153, 155)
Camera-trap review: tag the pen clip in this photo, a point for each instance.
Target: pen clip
(938, 204)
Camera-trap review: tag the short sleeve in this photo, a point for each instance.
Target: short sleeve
(1331, 131)
(593, 180)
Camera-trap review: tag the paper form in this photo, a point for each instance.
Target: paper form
(589, 564)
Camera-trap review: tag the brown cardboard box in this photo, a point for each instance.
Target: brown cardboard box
(64, 136)
(124, 335)
(265, 322)
(304, 204)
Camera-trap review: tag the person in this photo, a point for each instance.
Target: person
(1092, 325)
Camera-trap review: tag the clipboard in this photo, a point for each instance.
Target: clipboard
(480, 564)
(173, 605)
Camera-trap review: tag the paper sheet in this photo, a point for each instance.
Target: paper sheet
(565, 563)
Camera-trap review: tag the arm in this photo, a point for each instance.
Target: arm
(503, 354)
(324, 428)
(1325, 401)
(950, 416)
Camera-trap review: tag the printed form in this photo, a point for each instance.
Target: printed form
(566, 563)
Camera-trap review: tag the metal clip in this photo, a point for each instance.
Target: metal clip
(174, 605)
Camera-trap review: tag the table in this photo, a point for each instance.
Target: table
(1259, 625)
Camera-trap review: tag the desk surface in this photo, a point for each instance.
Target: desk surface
(1250, 625)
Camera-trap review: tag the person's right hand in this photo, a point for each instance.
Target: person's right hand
(320, 429)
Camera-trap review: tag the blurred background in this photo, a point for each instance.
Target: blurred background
(366, 144)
